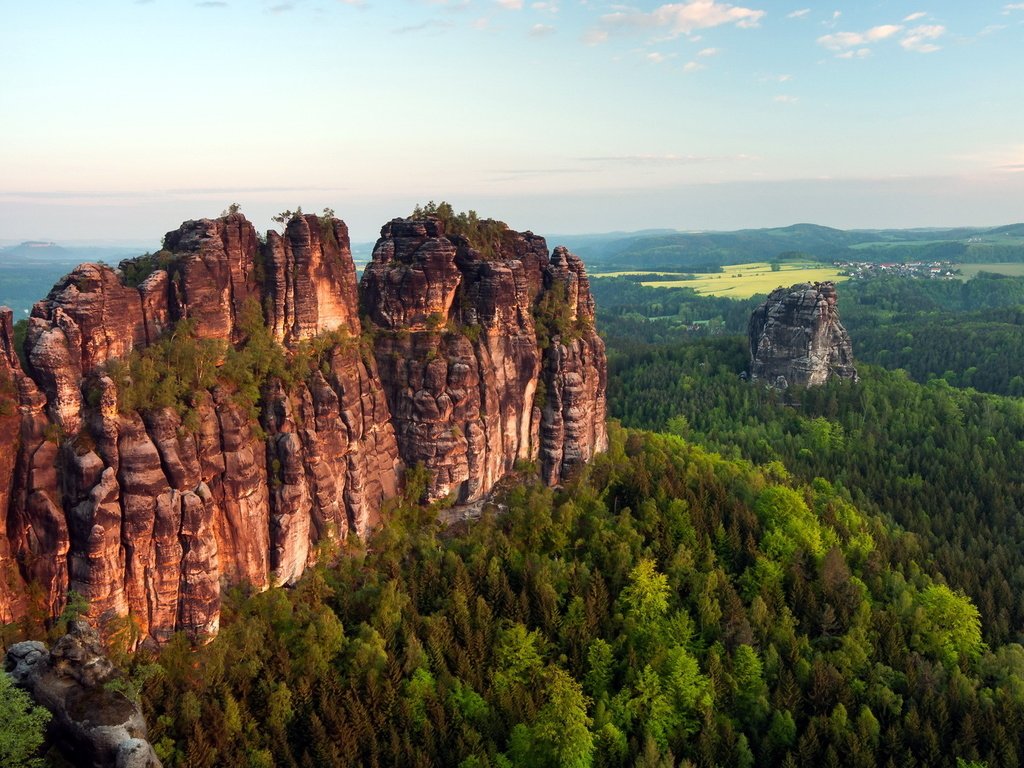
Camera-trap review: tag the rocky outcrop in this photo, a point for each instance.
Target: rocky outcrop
(458, 349)
(796, 338)
(94, 724)
(574, 377)
(477, 355)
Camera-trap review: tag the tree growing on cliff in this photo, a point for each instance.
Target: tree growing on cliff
(287, 215)
(21, 727)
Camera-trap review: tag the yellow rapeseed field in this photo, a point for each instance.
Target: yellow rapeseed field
(741, 281)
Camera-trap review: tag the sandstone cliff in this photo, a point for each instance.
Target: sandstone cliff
(462, 364)
(476, 355)
(796, 338)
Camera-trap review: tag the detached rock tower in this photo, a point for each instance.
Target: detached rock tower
(796, 338)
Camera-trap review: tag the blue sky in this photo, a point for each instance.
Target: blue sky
(120, 119)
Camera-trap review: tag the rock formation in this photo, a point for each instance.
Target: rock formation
(475, 355)
(96, 725)
(462, 363)
(796, 338)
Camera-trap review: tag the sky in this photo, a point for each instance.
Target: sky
(121, 118)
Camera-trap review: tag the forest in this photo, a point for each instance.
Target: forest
(669, 607)
(746, 577)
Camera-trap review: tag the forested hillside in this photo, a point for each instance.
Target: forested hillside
(682, 251)
(669, 607)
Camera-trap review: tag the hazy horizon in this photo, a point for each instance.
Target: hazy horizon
(123, 119)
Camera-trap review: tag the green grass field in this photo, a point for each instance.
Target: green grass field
(741, 281)
(1010, 269)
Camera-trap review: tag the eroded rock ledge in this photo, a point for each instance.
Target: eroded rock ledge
(468, 357)
(93, 723)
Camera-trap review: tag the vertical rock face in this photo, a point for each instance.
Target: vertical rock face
(312, 280)
(478, 355)
(11, 379)
(462, 363)
(796, 338)
(575, 375)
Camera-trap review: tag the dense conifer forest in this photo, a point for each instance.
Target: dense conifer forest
(668, 607)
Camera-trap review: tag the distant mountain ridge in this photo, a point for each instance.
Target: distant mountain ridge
(667, 250)
(47, 250)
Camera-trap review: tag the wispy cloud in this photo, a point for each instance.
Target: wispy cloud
(915, 16)
(663, 159)
(693, 66)
(282, 8)
(839, 41)
(510, 5)
(541, 30)
(798, 14)
(786, 99)
(1011, 7)
(212, 4)
(709, 52)
(859, 53)
(425, 26)
(679, 18)
(775, 78)
(919, 39)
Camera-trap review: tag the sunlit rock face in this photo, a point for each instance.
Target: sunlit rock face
(435, 360)
(463, 363)
(796, 338)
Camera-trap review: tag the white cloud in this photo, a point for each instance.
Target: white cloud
(655, 57)
(798, 14)
(549, 7)
(510, 5)
(1013, 7)
(787, 99)
(775, 78)
(595, 36)
(915, 16)
(883, 31)
(683, 18)
(919, 39)
(709, 52)
(692, 66)
(839, 41)
(860, 53)
(541, 30)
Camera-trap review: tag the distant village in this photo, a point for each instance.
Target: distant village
(928, 270)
